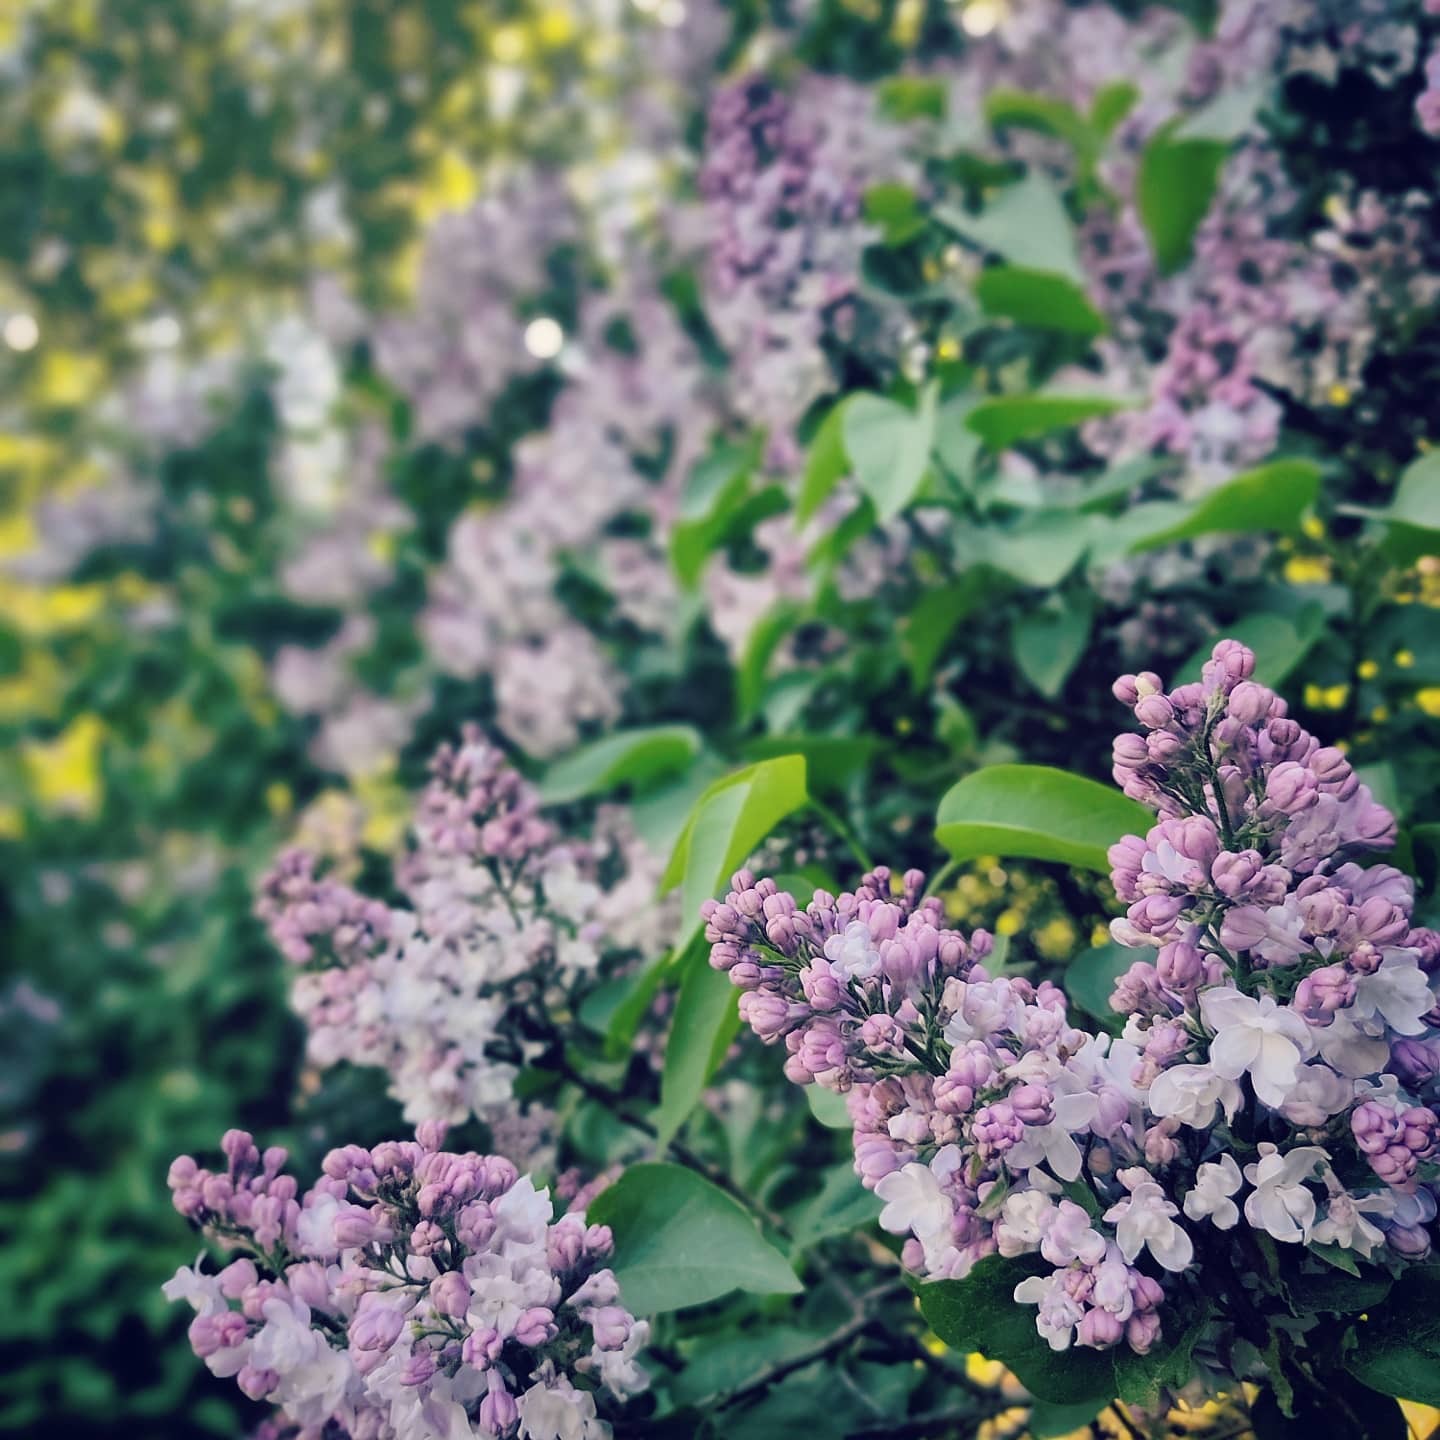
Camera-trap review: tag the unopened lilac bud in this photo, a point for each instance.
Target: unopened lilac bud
(481, 1348)
(376, 1324)
(1099, 1329)
(1180, 965)
(1324, 992)
(450, 1293)
(1249, 703)
(1130, 752)
(1229, 663)
(1290, 788)
(1411, 1241)
(1415, 1061)
(1142, 1331)
(611, 1326)
(536, 1327)
(1126, 690)
(498, 1412)
(255, 1382)
(1032, 1104)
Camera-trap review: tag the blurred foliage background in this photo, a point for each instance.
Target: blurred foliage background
(178, 182)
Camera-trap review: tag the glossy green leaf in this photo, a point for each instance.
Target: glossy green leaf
(1397, 1349)
(1038, 813)
(728, 821)
(628, 757)
(889, 447)
(681, 1241)
(1038, 298)
(706, 1021)
(980, 1313)
(1273, 497)
(1173, 191)
(1005, 421)
(1090, 978)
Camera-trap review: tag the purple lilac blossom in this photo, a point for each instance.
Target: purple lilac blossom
(502, 922)
(410, 1292)
(1285, 1019)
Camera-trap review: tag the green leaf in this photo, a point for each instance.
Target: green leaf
(895, 209)
(760, 647)
(831, 761)
(1004, 421)
(1049, 642)
(1037, 813)
(628, 757)
(1041, 550)
(1090, 978)
(842, 1206)
(1274, 497)
(1113, 102)
(1173, 191)
(889, 447)
(707, 1019)
(825, 465)
(716, 1365)
(1039, 298)
(1397, 1349)
(625, 1019)
(1144, 1379)
(957, 447)
(1049, 1421)
(1029, 111)
(1025, 223)
(1416, 501)
(728, 821)
(1280, 643)
(981, 1313)
(716, 487)
(1340, 1407)
(933, 621)
(681, 1241)
(913, 97)
(828, 1108)
(1340, 1286)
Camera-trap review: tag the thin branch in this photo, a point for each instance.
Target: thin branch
(771, 1374)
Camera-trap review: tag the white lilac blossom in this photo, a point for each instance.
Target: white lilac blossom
(411, 1292)
(503, 923)
(1275, 1070)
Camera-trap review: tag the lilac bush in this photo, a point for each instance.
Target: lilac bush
(1278, 1049)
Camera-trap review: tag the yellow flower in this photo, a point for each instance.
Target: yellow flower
(1307, 570)
(1404, 658)
(1428, 700)
(64, 773)
(1367, 669)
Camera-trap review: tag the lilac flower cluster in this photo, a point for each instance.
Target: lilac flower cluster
(782, 178)
(410, 1292)
(1277, 1063)
(503, 927)
(463, 342)
(494, 606)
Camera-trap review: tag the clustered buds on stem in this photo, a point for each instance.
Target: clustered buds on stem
(410, 1292)
(1277, 1062)
(504, 924)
